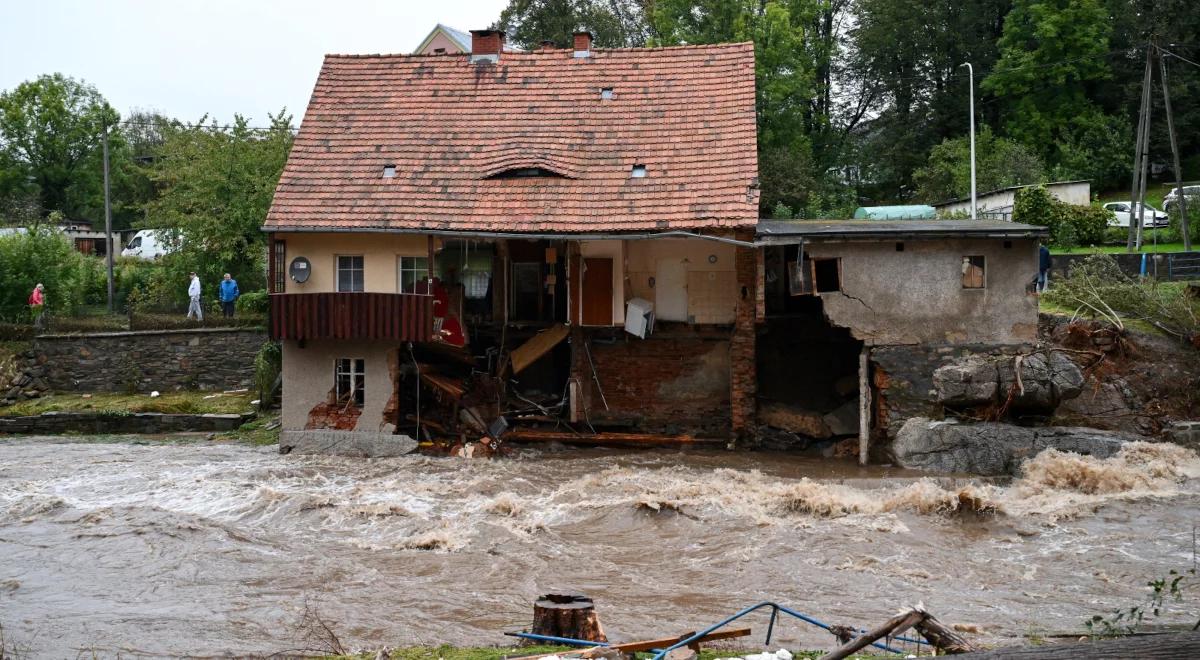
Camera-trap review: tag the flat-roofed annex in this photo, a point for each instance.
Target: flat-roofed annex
(449, 127)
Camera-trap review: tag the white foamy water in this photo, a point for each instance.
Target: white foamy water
(196, 549)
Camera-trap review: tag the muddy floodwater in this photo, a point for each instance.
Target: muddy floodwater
(198, 549)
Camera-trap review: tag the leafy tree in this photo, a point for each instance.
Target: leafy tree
(216, 187)
(42, 254)
(1000, 162)
(50, 144)
(613, 23)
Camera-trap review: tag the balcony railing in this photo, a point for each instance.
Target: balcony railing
(388, 316)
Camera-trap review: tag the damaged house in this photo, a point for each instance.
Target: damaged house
(564, 245)
(527, 245)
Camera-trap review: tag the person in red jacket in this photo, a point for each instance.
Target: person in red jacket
(37, 305)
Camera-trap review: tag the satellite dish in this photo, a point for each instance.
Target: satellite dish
(300, 270)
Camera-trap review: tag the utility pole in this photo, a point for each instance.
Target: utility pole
(1142, 134)
(108, 251)
(971, 84)
(1183, 218)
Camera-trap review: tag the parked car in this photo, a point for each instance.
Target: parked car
(148, 244)
(1191, 192)
(1121, 214)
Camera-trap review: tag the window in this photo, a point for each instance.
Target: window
(973, 273)
(606, 93)
(349, 381)
(638, 172)
(526, 173)
(278, 266)
(410, 271)
(135, 243)
(389, 171)
(827, 275)
(475, 284)
(350, 273)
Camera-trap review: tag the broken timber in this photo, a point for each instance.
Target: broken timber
(607, 439)
(567, 615)
(539, 345)
(1171, 645)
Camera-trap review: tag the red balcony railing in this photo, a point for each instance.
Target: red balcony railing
(390, 316)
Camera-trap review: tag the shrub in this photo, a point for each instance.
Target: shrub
(268, 364)
(1193, 223)
(43, 254)
(1069, 225)
(254, 302)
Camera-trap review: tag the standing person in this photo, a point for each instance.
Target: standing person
(37, 305)
(229, 294)
(1043, 280)
(194, 299)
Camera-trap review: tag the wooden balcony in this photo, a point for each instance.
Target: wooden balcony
(386, 316)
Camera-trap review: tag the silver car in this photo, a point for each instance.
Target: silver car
(1191, 192)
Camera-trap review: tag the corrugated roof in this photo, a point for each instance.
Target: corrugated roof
(686, 113)
(793, 231)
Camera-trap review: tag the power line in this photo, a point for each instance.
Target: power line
(1178, 57)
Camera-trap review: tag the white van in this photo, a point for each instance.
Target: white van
(147, 244)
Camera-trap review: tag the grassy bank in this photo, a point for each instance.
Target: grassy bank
(260, 432)
(185, 402)
(1147, 248)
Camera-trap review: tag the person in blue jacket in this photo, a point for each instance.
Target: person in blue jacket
(228, 294)
(1043, 280)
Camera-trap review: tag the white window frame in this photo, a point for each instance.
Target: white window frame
(337, 273)
(407, 264)
(355, 369)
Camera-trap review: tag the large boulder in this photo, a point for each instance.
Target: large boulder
(1047, 379)
(972, 382)
(794, 420)
(1186, 434)
(993, 449)
(843, 420)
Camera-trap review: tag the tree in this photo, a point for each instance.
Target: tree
(613, 23)
(216, 187)
(1000, 163)
(42, 254)
(50, 143)
(1052, 54)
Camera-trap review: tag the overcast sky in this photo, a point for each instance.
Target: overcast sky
(219, 57)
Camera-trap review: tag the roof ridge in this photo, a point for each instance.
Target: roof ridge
(557, 51)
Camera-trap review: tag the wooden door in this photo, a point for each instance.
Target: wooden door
(670, 291)
(597, 291)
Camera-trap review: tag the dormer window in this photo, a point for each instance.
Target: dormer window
(638, 171)
(389, 171)
(526, 173)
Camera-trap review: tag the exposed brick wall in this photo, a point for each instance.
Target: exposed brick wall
(903, 379)
(675, 380)
(743, 379)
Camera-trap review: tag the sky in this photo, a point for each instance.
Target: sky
(214, 57)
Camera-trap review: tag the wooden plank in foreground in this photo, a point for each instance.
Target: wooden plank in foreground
(537, 346)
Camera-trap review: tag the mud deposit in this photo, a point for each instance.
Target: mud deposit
(208, 550)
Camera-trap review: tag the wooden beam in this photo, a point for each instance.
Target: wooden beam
(607, 439)
(1152, 647)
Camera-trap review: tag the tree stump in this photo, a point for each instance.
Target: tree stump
(567, 615)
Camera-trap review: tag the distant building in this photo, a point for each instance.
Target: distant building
(998, 204)
(445, 40)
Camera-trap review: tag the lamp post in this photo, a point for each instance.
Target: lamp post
(971, 83)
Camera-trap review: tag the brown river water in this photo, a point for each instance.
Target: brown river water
(199, 549)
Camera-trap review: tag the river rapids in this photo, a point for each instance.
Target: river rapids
(173, 549)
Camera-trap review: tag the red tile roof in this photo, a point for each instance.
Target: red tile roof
(686, 113)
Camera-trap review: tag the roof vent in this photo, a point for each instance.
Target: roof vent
(583, 44)
(638, 171)
(389, 171)
(486, 45)
(606, 93)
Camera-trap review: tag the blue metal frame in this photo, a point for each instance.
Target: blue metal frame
(775, 610)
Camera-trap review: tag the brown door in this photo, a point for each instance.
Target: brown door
(597, 291)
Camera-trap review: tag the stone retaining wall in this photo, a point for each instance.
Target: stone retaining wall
(52, 423)
(141, 361)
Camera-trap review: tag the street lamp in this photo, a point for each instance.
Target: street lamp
(971, 83)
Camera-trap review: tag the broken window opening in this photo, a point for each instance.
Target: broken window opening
(827, 275)
(350, 273)
(350, 381)
(974, 274)
(410, 271)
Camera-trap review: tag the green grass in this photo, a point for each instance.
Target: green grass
(1154, 194)
(186, 402)
(254, 432)
(1148, 247)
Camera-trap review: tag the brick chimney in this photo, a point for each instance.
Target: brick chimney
(486, 45)
(583, 44)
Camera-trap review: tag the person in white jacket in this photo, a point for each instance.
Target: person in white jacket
(194, 296)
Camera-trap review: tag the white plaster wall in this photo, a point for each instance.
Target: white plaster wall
(712, 283)
(308, 375)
